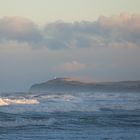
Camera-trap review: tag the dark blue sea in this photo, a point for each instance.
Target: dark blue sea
(70, 116)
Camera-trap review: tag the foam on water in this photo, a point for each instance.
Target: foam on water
(95, 115)
(7, 101)
(69, 102)
(14, 103)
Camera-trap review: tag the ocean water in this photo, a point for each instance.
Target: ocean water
(70, 116)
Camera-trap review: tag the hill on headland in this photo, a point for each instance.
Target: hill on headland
(77, 85)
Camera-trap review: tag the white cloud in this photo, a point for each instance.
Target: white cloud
(70, 67)
(123, 21)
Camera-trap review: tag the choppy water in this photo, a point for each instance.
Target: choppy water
(77, 116)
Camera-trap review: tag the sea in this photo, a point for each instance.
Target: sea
(89, 115)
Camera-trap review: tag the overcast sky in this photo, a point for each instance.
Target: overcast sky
(92, 39)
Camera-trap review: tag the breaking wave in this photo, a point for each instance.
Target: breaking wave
(27, 102)
(85, 115)
(6, 101)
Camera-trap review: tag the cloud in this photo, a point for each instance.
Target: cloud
(13, 46)
(123, 29)
(70, 67)
(123, 21)
(107, 49)
(19, 29)
(120, 29)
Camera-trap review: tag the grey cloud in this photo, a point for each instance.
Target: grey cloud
(20, 29)
(123, 29)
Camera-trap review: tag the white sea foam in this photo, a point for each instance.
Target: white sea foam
(6, 101)
(68, 102)
(61, 98)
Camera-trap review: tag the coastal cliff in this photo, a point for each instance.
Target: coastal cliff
(71, 85)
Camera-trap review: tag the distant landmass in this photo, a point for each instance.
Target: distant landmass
(77, 85)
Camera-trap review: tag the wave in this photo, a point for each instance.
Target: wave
(89, 102)
(6, 101)
(27, 122)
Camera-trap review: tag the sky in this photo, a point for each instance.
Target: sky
(92, 39)
(42, 11)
